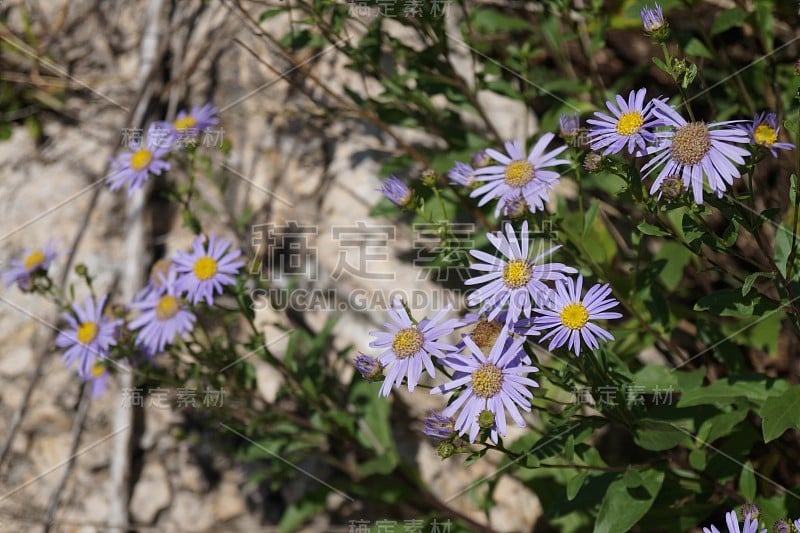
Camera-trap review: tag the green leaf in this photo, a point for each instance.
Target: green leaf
(780, 413)
(731, 302)
(747, 482)
(624, 506)
(727, 19)
(676, 257)
(698, 459)
(656, 435)
(749, 280)
(575, 483)
(649, 229)
(724, 392)
(696, 48)
(590, 216)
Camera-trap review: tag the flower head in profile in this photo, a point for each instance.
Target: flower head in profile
(409, 346)
(439, 426)
(462, 174)
(480, 159)
(518, 175)
(99, 379)
(158, 272)
(396, 191)
(207, 269)
(653, 19)
(491, 385)
(198, 119)
(34, 261)
(513, 280)
(732, 523)
(134, 167)
(163, 317)
(369, 367)
(569, 126)
(629, 127)
(89, 337)
(693, 150)
(568, 316)
(764, 131)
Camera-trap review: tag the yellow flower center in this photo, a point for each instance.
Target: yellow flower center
(98, 369)
(629, 123)
(519, 173)
(574, 316)
(141, 158)
(765, 135)
(87, 332)
(34, 260)
(205, 268)
(485, 334)
(407, 342)
(487, 380)
(167, 307)
(517, 273)
(691, 143)
(185, 123)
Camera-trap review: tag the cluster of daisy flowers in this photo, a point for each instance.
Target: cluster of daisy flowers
(148, 156)
(160, 314)
(520, 296)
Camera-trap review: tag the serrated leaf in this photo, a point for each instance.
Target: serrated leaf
(780, 413)
(623, 507)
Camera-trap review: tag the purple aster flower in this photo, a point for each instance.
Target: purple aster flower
(569, 125)
(163, 317)
(797, 524)
(694, 149)
(35, 261)
(439, 427)
(516, 280)
(485, 331)
(782, 526)
(89, 337)
(493, 383)
(409, 346)
(519, 176)
(652, 18)
(764, 131)
(628, 128)
(197, 120)
(396, 191)
(158, 272)
(480, 159)
(99, 379)
(462, 174)
(731, 520)
(568, 315)
(135, 166)
(205, 270)
(369, 367)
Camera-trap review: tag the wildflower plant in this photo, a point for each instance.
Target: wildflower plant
(621, 322)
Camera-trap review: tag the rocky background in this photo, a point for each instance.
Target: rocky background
(90, 69)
